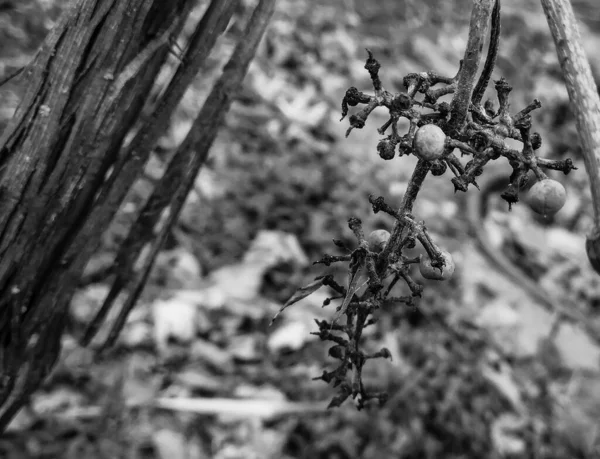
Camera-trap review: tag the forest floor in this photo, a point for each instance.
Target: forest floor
(199, 372)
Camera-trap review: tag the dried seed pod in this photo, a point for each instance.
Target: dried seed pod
(386, 149)
(430, 272)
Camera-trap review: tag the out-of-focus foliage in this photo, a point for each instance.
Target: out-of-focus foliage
(281, 183)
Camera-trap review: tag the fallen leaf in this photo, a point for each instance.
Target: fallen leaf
(505, 435)
(173, 318)
(265, 409)
(291, 336)
(502, 379)
(265, 392)
(196, 378)
(273, 247)
(136, 334)
(246, 348)
(55, 401)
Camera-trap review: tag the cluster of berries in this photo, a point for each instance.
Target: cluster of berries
(379, 260)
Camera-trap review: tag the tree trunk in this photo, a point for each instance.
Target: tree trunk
(85, 90)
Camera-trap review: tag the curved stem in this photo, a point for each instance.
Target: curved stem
(581, 87)
(480, 15)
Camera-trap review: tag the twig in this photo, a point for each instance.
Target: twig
(480, 15)
(11, 75)
(130, 163)
(414, 185)
(490, 60)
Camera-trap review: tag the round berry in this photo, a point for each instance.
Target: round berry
(429, 142)
(377, 240)
(547, 197)
(430, 272)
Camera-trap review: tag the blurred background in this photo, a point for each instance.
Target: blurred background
(199, 373)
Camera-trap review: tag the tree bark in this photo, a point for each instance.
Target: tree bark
(85, 90)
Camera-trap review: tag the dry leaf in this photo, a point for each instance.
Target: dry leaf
(265, 409)
(300, 294)
(502, 379)
(170, 444)
(505, 436)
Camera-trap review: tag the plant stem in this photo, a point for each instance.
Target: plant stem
(414, 185)
(582, 90)
(480, 16)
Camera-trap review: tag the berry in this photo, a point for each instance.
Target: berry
(386, 149)
(429, 142)
(430, 272)
(377, 240)
(547, 197)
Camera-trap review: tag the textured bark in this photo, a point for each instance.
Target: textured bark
(85, 89)
(172, 189)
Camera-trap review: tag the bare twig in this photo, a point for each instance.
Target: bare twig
(480, 16)
(11, 75)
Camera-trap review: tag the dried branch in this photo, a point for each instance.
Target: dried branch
(131, 161)
(480, 18)
(10, 75)
(85, 89)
